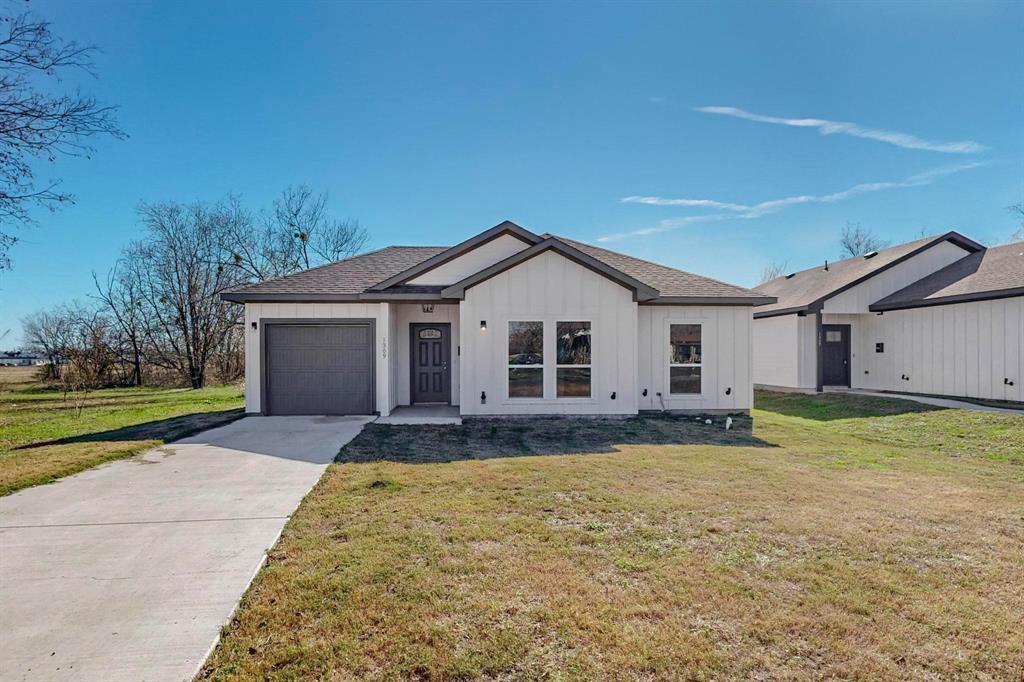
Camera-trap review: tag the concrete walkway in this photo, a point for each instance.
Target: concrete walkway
(938, 402)
(422, 414)
(127, 571)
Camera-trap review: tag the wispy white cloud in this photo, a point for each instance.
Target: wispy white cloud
(749, 211)
(667, 225)
(705, 203)
(826, 127)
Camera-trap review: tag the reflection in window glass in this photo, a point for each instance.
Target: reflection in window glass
(685, 358)
(526, 359)
(684, 379)
(685, 344)
(526, 343)
(573, 382)
(525, 382)
(572, 374)
(573, 343)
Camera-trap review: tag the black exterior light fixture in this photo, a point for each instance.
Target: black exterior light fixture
(483, 325)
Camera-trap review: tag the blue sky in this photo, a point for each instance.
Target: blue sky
(711, 137)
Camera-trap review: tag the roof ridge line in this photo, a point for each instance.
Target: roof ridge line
(940, 236)
(315, 267)
(662, 265)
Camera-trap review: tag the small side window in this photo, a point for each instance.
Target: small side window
(685, 356)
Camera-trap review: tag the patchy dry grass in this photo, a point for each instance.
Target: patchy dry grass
(44, 436)
(873, 539)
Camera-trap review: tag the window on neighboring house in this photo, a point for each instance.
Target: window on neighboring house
(525, 359)
(684, 359)
(573, 363)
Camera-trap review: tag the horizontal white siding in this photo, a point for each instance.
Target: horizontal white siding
(472, 262)
(404, 314)
(964, 349)
(255, 312)
(858, 298)
(549, 288)
(726, 362)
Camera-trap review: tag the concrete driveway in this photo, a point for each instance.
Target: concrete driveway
(128, 571)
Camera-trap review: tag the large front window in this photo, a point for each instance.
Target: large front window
(573, 364)
(525, 359)
(684, 371)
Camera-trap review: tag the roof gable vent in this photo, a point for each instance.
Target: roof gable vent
(870, 254)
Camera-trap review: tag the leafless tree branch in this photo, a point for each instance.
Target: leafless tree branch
(856, 241)
(38, 125)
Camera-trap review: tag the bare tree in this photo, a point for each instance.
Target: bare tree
(48, 333)
(772, 270)
(295, 234)
(35, 124)
(121, 295)
(856, 241)
(302, 215)
(181, 271)
(1017, 210)
(90, 350)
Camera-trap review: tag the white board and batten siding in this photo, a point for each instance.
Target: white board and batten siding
(403, 315)
(551, 289)
(785, 352)
(630, 343)
(857, 299)
(964, 349)
(472, 261)
(379, 312)
(726, 362)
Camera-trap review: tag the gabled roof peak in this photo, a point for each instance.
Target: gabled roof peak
(807, 289)
(506, 227)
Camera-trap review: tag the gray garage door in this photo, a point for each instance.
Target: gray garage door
(319, 368)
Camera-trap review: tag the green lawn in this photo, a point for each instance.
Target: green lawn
(839, 537)
(44, 436)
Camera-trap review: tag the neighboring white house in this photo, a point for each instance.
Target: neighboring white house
(506, 323)
(939, 316)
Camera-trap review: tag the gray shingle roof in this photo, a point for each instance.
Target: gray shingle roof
(353, 276)
(993, 273)
(349, 276)
(808, 287)
(668, 281)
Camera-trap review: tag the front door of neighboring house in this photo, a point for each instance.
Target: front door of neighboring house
(835, 355)
(431, 350)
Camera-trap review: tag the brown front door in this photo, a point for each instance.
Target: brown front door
(835, 355)
(431, 380)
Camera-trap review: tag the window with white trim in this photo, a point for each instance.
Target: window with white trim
(572, 364)
(684, 359)
(525, 359)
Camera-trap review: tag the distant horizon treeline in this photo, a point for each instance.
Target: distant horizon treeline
(157, 318)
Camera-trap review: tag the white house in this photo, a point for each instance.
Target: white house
(506, 323)
(938, 316)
